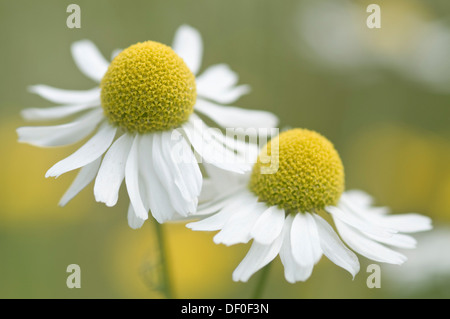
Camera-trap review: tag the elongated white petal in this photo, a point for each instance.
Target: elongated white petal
(184, 161)
(55, 113)
(367, 247)
(257, 257)
(134, 221)
(358, 197)
(358, 202)
(61, 96)
(232, 116)
(237, 228)
(293, 272)
(236, 149)
(170, 176)
(112, 171)
(58, 135)
(159, 200)
(226, 208)
(397, 240)
(188, 45)
(212, 207)
(132, 181)
(212, 223)
(173, 166)
(218, 84)
(85, 176)
(89, 152)
(305, 240)
(223, 181)
(211, 150)
(407, 223)
(334, 249)
(269, 225)
(89, 59)
(216, 78)
(231, 95)
(350, 217)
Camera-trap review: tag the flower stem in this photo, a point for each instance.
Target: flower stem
(166, 282)
(259, 289)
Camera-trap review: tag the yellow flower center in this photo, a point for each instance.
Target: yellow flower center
(148, 88)
(310, 173)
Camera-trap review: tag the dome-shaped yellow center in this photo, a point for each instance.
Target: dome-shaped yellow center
(148, 88)
(310, 173)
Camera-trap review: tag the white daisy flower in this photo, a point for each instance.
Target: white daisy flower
(142, 115)
(297, 182)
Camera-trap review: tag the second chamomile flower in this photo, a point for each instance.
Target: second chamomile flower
(142, 114)
(297, 180)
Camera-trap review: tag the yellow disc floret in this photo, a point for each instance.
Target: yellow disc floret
(148, 88)
(307, 172)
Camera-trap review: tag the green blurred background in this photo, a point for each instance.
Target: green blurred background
(381, 96)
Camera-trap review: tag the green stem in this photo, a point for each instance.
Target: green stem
(166, 282)
(259, 289)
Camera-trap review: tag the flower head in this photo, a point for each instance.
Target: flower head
(283, 212)
(309, 174)
(148, 88)
(143, 124)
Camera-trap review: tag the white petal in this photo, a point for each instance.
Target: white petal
(232, 116)
(334, 249)
(159, 200)
(214, 205)
(185, 162)
(237, 228)
(85, 176)
(211, 150)
(179, 177)
(269, 225)
(134, 221)
(225, 208)
(257, 257)
(112, 171)
(218, 84)
(132, 181)
(89, 152)
(55, 113)
(407, 223)
(58, 135)
(358, 197)
(241, 151)
(293, 272)
(223, 181)
(188, 45)
(367, 247)
(170, 176)
(89, 59)
(66, 96)
(305, 240)
(356, 219)
(397, 240)
(212, 223)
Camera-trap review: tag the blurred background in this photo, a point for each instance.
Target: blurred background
(382, 96)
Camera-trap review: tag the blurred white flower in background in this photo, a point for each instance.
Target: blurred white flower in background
(428, 264)
(410, 42)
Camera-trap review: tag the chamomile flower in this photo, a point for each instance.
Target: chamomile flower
(296, 184)
(143, 116)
